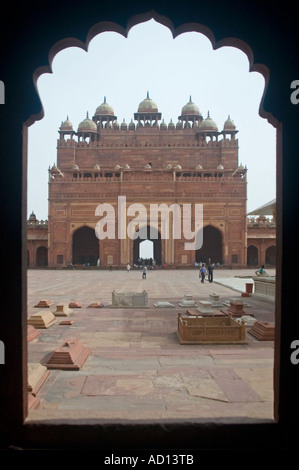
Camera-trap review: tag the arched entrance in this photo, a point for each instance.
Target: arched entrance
(211, 250)
(146, 250)
(252, 256)
(42, 256)
(271, 255)
(152, 234)
(85, 247)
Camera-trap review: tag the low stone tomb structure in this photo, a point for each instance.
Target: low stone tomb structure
(226, 303)
(210, 330)
(75, 304)
(70, 356)
(129, 299)
(45, 303)
(205, 307)
(42, 319)
(95, 305)
(263, 331)
(215, 302)
(66, 322)
(37, 375)
(62, 310)
(187, 301)
(264, 287)
(236, 308)
(163, 304)
(32, 333)
(249, 320)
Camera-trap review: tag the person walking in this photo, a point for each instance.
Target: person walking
(210, 272)
(128, 268)
(203, 273)
(144, 272)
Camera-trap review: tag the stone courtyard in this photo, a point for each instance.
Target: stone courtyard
(136, 368)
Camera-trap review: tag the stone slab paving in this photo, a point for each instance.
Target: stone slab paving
(137, 369)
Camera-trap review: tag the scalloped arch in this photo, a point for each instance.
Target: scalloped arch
(105, 26)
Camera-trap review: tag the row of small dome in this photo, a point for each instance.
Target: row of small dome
(147, 167)
(148, 110)
(207, 125)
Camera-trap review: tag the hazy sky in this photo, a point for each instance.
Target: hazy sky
(124, 69)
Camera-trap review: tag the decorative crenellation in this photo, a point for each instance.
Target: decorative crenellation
(260, 222)
(131, 143)
(33, 222)
(122, 174)
(146, 118)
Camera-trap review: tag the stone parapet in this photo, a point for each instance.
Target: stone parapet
(264, 287)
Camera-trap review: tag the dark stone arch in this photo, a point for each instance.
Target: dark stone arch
(42, 256)
(85, 247)
(252, 255)
(211, 250)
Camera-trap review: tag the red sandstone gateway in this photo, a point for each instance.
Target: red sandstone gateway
(151, 163)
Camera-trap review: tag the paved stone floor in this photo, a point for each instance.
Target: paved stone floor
(137, 369)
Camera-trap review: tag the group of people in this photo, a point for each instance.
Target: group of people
(209, 270)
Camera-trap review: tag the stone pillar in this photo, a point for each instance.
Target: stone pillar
(225, 247)
(262, 252)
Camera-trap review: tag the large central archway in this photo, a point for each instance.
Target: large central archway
(152, 234)
(85, 247)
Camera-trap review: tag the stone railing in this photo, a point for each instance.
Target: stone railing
(148, 175)
(260, 222)
(37, 223)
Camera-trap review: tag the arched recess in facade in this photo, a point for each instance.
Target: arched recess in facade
(211, 250)
(252, 256)
(152, 234)
(85, 247)
(42, 256)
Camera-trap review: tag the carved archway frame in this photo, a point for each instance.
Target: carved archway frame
(101, 27)
(105, 26)
(177, 434)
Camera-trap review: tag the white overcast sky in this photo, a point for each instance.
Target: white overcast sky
(149, 59)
